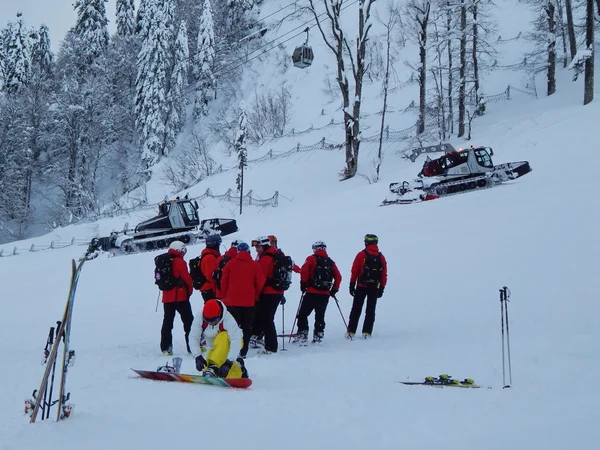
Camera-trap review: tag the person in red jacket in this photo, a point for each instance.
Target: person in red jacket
(319, 279)
(273, 240)
(208, 264)
(177, 300)
(270, 297)
(217, 275)
(368, 280)
(242, 283)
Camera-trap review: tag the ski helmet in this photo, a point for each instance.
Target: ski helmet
(243, 246)
(371, 239)
(273, 239)
(319, 245)
(213, 241)
(179, 246)
(263, 240)
(212, 312)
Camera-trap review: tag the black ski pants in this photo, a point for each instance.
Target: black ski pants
(208, 295)
(187, 317)
(362, 293)
(266, 309)
(312, 302)
(244, 316)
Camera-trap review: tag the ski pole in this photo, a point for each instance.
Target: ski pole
(296, 318)
(283, 327)
(157, 299)
(340, 310)
(502, 325)
(506, 297)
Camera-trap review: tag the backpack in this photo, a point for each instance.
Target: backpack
(198, 278)
(163, 272)
(218, 272)
(323, 274)
(372, 270)
(283, 267)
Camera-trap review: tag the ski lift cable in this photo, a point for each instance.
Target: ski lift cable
(229, 68)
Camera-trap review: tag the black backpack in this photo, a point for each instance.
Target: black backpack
(198, 278)
(283, 267)
(372, 270)
(323, 274)
(218, 272)
(163, 272)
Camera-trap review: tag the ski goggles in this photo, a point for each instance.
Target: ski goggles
(212, 320)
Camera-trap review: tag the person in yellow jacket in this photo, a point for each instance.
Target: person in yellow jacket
(219, 337)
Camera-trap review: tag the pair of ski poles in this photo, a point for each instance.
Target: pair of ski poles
(298, 312)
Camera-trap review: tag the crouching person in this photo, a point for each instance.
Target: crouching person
(216, 343)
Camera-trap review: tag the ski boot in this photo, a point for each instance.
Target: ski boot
(256, 342)
(168, 351)
(318, 337)
(210, 372)
(366, 336)
(350, 336)
(301, 337)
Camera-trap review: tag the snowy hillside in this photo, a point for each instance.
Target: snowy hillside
(439, 314)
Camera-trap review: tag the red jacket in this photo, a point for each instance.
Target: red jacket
(359, 264)
(242, 281)
(231, 253)
(266, 262)
(180, 270)
(207, 266)
(308, 272)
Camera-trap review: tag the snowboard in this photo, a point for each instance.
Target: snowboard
(241, 383)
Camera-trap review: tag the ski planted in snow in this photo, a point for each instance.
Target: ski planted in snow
(444, 380)
(241, 383)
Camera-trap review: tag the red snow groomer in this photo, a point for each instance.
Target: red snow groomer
(454, 173)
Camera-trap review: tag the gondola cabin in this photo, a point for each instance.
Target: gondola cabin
(303, 56)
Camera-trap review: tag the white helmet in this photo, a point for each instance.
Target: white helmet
(179, 246)
(319, 245)
(263, 240)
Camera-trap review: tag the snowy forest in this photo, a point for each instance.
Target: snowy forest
(82, 127)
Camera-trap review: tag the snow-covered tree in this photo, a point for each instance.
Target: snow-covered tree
(92, 26)
(125, 17)
(41, 53)
(337, 41)
(153, 80)
(17, 66)
(205, 61)
(176, 96)
(241, 150)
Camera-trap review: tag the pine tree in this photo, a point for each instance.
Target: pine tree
(125, 17)
(241, 150)
(178, 83)
(92, 26)
(205, 60)
(17, 67)
(41, 53)
(153, 80)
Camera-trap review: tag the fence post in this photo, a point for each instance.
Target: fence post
(15, 251)
(508, 92)
(1, 253)
(387, 132)
(249, 195)
(32, 249)
(72, 241)
(275, 202)
(323, 143)
(298, 147)
(52, 245)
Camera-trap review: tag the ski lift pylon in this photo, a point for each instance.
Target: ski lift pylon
(303, 56)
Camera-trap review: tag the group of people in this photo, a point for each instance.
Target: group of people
(241, 295)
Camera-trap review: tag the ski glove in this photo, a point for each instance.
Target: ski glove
(352, 288)
(200, 363)
(333, 292)
(380, 292)
(224, 369)
(303, 287)
(283, 300)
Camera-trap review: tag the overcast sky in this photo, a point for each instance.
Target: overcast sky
(57, 14)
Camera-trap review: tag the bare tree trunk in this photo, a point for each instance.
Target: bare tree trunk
(571, 29)
(588, 95)
(423, 19)
(462, 69)
(450, 67)
(551, 74)
(474, 56)
(563, 34)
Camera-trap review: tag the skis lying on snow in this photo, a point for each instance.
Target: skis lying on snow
(444, 381)
(42, 397)
(198, 379)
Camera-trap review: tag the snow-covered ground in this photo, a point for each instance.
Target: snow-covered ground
(440, 313)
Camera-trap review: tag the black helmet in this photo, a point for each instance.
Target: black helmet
(213, 241)
(371, 239)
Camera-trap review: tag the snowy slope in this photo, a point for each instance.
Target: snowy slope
(447, 259)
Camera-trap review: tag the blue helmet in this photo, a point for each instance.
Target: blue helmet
(243, 246)
(213, 241)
